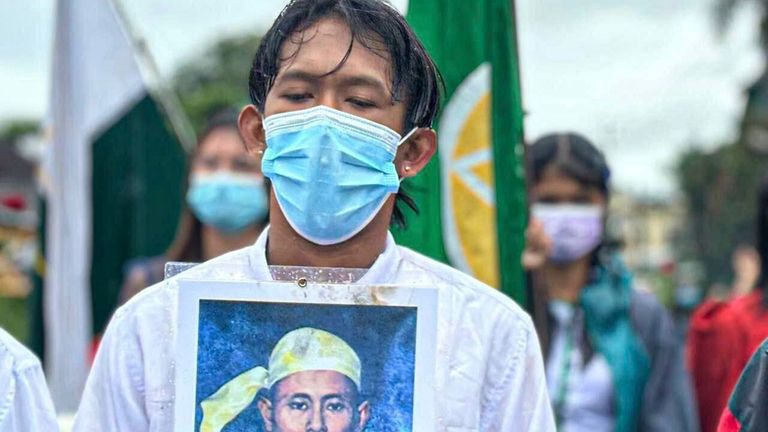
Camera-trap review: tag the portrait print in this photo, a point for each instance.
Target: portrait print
(282, 366)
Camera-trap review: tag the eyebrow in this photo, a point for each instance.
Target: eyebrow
(364, 81)
(334, 396)
(299, 75)
(346, 81)
(295, 396)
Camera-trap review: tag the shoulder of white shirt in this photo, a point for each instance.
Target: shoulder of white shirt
(456, 278)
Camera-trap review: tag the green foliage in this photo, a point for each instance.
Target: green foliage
(13, 129)
(13, 317)
(216, 79)
(721, 192)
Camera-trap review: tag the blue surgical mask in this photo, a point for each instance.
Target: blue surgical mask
(227, 202)
(331, 172)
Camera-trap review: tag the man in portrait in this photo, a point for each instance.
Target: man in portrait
(312, 384)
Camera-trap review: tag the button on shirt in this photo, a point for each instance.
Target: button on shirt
(489, 370)
(25, 403)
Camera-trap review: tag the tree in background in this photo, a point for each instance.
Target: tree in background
(216, 79)
(13, 129)
(721, 192)
(720, 186)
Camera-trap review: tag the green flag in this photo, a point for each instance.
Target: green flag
(472, 196)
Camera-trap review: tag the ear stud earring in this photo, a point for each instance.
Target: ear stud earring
(407, 168)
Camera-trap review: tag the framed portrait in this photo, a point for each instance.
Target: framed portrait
(279, 357)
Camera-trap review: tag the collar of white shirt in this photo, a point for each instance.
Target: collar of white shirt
(381, 272)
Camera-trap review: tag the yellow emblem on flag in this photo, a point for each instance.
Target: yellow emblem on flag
(466, 158)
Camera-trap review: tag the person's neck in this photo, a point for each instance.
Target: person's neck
(286, 248)
(565, 282)
(217, 243)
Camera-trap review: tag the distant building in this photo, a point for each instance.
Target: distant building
(647, 228)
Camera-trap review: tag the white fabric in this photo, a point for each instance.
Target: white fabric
(589, 400)
(25, 404)
(95, 80)
(489, 374)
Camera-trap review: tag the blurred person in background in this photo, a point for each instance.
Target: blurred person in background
(746, 264)
(613, 361)
(25, 402)
(724, 334)
(226, 205)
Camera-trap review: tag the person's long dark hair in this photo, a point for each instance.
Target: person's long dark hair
(577, 158)
(762, 237)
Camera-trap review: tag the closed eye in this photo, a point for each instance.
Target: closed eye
(361, 103)
(297, 97)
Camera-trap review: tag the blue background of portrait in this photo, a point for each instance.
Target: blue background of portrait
(235, 336)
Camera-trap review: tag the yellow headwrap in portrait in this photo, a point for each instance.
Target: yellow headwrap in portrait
(304, 349)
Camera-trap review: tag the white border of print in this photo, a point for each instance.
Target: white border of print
(192, 291)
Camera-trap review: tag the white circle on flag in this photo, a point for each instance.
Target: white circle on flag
(466, 162)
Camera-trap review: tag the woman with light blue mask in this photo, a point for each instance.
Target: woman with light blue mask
(613, 362)
(226, 200)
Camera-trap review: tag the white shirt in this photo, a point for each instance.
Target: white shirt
(489, 373)
(25, 403)
(588, 394)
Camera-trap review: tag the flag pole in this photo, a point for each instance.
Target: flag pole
(159, 90)
(508, 156)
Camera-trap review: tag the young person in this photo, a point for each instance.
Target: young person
(614, 362)
(343, 98)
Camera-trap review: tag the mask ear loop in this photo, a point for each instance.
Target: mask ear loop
(401, 142)
(408, 136)
(263, 123)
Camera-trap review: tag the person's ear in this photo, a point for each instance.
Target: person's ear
(265, 408)
(363, 414)
(414, 154)
(251, 128)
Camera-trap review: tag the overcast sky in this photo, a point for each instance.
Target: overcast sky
(643, 79)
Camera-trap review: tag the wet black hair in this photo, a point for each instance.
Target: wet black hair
(574, 156)
(372, 23)
(762, 236)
